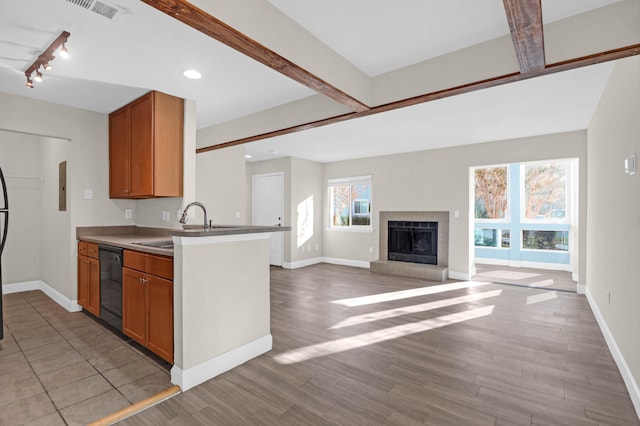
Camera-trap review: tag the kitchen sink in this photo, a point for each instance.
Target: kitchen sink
(164, 244)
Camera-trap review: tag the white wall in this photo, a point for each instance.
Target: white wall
(220, 185)
(438, 180)
(307, 188)
(55, 226)
(613, 249)
(20, 161)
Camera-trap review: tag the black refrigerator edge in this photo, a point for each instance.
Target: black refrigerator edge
(4, 225)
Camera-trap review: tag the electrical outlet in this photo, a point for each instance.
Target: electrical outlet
(128, 213)
(456, 213)
(237, 215)
(88, 194)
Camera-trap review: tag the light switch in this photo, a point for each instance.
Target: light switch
(456, 213)
(237, 215)
(88, 194)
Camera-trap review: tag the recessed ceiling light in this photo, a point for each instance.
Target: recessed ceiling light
(247, 156)
(192, 74)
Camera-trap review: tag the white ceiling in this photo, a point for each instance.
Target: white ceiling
(115, 61)
(379, 36)
(551, 104)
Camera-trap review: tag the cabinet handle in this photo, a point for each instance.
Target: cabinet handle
(86, 261)
(125, 190)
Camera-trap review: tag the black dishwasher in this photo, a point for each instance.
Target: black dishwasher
(111, 285)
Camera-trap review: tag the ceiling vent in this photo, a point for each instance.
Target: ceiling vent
(96, 6)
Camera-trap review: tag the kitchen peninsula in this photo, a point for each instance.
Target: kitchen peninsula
(221, 311)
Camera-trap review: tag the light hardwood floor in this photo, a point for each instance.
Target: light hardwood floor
(526, 277)
(355, 348)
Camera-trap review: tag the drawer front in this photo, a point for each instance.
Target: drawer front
(92, 250)
(134, 260)
(82, 248)
(159, 266)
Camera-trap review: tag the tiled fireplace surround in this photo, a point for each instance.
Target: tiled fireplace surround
(439, 272)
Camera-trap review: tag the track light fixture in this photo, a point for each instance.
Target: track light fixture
(45, 58)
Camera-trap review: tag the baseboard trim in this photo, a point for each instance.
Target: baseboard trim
(194, 376)
(55, 295)
(629, 381)
(301, 263)
(347, 262)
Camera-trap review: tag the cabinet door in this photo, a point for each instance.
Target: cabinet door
(160, 317)
(119, 154)
(134, 298)
(142, 157)
(94, 286)
(83, 282)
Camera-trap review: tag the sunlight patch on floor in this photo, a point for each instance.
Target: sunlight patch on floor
(542, 297)
(509, 275)
(543, 283)
(340, 345)
(404, 310)
(405, 294)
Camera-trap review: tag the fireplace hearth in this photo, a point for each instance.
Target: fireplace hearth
(414, 242)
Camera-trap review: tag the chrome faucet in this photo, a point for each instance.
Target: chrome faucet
(183, 219)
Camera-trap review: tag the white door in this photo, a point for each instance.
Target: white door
(268, 209)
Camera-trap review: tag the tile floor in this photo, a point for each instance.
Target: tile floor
(59, 368)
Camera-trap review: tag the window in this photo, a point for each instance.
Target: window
(545, 240)
(491, 193)
(545, 191)
(492, 238)
(350, 202)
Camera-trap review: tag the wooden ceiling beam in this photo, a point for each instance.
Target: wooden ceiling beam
(525, 23)
(200, 20)
(610, 55)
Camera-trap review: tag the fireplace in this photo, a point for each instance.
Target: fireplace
(415, 242)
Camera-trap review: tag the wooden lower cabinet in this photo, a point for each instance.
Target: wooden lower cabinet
(147, 304)
(89, 278)
(134, 302)
(160, 316)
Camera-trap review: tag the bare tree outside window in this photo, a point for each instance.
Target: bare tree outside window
(491, 193)
(545, 190)
(350, 204)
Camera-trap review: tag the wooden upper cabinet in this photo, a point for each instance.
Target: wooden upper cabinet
(146, 148)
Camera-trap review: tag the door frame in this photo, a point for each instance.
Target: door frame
(282, 205)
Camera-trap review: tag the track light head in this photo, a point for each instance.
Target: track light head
(38, 77)
(29, 83)
(47, 66)
(64, 53)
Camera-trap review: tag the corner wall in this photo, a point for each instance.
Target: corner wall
(613, 266)
(87, 167)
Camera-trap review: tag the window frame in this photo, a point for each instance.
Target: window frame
(350, 181)
(507, 213)
(568, 184)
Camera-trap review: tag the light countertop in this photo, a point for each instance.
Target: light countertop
(126, 237)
